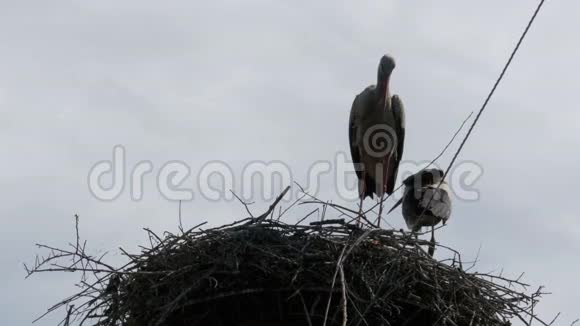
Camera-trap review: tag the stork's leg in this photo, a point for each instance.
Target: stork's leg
(362, 190)
(380, 211)
(384, 176)
(415, 235)
(360, 211)
(432, 244)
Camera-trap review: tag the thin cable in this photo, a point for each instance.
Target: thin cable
(494, 87)
(498, 80)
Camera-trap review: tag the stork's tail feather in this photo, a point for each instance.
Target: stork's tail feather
(370, 186)
(395, 206)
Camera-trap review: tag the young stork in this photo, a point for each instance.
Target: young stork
(425, 203)
(377, 134)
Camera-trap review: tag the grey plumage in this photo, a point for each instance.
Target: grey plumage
(377, 134)
(424, 203)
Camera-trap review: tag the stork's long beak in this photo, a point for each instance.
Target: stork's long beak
(395, 206)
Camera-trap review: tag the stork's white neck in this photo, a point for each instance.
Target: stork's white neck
(383, 93)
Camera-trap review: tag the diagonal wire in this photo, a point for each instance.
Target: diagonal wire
(498, 80)
(515, 50)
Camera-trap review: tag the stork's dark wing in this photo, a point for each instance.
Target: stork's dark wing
(353, 124)
(399, 114)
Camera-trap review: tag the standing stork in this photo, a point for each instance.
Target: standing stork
(425, 202)
(377, 134)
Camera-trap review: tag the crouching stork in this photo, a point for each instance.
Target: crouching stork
(426, 202)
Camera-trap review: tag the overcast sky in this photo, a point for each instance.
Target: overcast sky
(239, 81)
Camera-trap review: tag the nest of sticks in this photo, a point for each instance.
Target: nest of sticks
(261, 271)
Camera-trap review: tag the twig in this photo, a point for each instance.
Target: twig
(271, 208)
(243, 203)
(180, 221)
